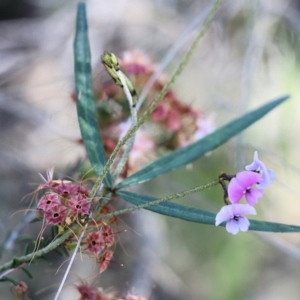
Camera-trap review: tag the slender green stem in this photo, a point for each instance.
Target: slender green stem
(164, 199)
(97, 206)
(133, 111)
(27, 258)
(125, 155)
(150, 109)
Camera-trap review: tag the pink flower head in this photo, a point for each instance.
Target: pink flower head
(234, 216)
(132, 297)
(104, 260)
(160, 113)
(48, 201)
(242, 185)
(267, 175)
(79, 205)
(87, 292)
(56, 215)
(21, 288)
(174, 120)
(107, 235)
(95, 242)
(66, 188)
(134, 62)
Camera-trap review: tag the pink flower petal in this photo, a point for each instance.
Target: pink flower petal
(267, 175)
(252, 196)
(232, 226)
(248, 178)
(235, 191)
(241, 185)
(255, 165)
(224, 214)
(233, 214)
(243, 224)
(243, 209)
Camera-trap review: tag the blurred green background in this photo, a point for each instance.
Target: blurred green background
(250, 55)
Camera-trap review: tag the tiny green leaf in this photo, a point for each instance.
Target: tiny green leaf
(10, 280)
(46, 259)
(54, 232)
(27, 273)
(193, 151)
(58, 252)
(16, 262)
(85, 97)
(197, 215)
(66, 252)
(35, 220)
(26, 249)
(24, 238)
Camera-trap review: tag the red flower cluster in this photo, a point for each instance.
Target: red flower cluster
(66, 202)
(98, 243)
(88, 292)
(172, 124)
(64, 199)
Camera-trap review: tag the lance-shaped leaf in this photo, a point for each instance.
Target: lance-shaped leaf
(85, 97)
(27, 273)
(10, 280)
(195, 150)
(197, 215)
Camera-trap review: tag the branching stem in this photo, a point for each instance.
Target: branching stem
(161, 95)
(164, 199)
(133, 110)
(15, 263)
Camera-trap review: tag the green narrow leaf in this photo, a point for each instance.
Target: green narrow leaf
(46, 259)
(10, 280)
(42, 243)
(58, 252)
(170, 208)
(197, 215)
(27, 273)
(24, 238)
(47, 241)
(33, 262)
(26, 249)
(35, 220)
(66, 252)
(54, 232)
(85, 97)
(193, 151)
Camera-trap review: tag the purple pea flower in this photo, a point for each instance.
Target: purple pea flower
(242, 185)
(267, 175)
(234, 216)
